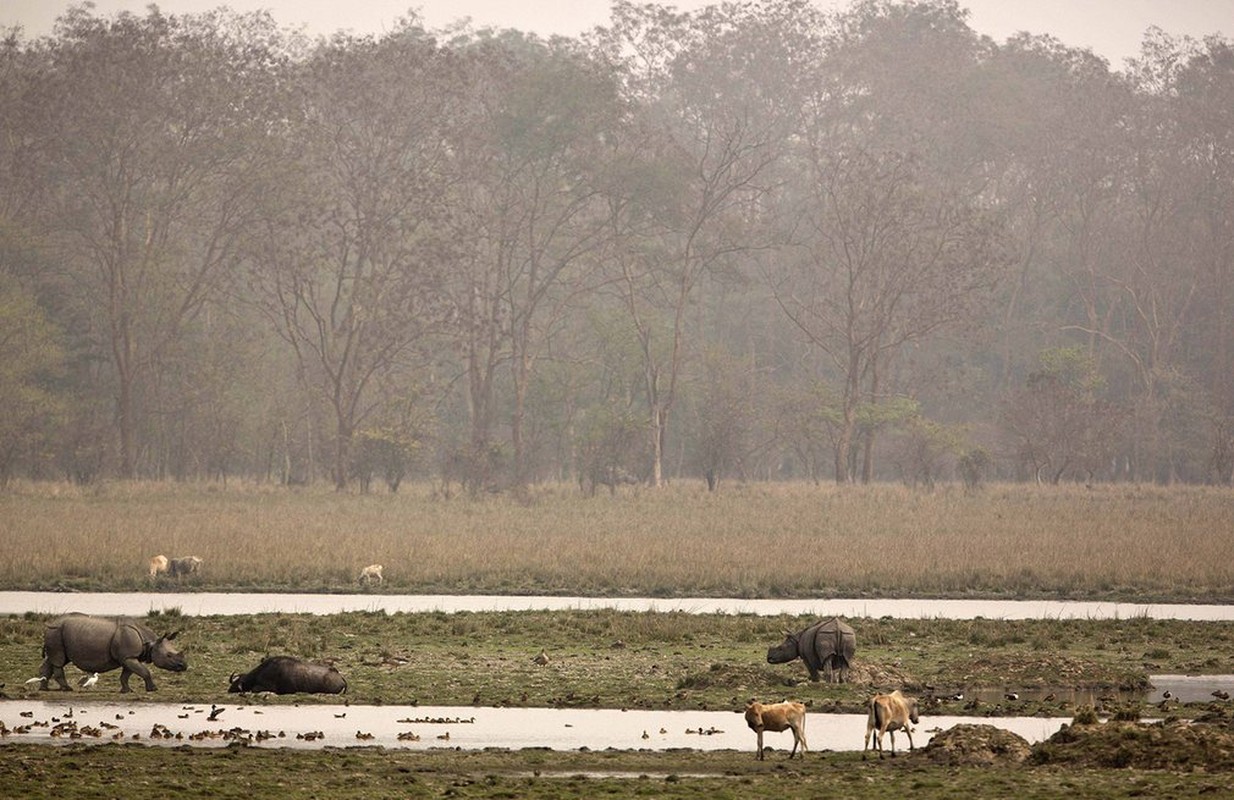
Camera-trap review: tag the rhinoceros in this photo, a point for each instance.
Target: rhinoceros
(100, 644)
(828, 645)
(287, 675)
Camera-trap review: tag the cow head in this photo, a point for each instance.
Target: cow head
(165, 655)
(784, 652)
(912, 711)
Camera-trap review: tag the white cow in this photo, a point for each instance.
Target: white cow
(889, 712)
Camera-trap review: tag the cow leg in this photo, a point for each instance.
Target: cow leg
(760, 745)
(799, 735)
(893, 743)
(909, 733)
(133, 666)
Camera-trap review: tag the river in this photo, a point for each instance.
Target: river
(221, 603)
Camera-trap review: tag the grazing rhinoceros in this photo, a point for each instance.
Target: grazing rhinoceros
(100, 644)
(827, 645)
(287, 675)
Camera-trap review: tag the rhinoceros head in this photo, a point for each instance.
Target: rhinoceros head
(165, 655)
(785, 651)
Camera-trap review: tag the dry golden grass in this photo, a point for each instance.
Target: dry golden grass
(748, 540)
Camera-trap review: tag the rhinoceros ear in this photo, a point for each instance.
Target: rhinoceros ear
(172, 635)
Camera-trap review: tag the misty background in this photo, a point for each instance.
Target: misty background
(764, 241)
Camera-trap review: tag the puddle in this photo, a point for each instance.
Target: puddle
(1190, 688)
(1181, 688)
(223, 603)
(465, 728)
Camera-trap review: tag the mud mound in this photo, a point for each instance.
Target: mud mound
(977, 744)
(1174, 745)
(882, 676)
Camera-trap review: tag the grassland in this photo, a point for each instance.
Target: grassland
(1143, 544)
(649, 660)
(605, 658)
(108, 771)
(1123, 542)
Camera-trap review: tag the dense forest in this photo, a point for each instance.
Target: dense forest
(759, 241)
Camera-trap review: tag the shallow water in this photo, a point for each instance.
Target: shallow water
(222, 603)
(466, 728)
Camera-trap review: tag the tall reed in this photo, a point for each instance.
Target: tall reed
(748, 540)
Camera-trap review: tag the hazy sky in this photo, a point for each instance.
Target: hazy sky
(1112, 28)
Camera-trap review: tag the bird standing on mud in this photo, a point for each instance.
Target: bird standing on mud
(88, 680)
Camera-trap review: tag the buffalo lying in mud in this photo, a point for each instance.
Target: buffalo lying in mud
(287, 675)
(99, 644)
(828, 645)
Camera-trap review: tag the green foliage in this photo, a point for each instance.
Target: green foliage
(32, 362)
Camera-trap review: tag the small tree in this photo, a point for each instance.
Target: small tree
(608, 446)
(924, 447)
(1058, 423)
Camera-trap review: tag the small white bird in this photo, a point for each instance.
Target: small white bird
(89, 680)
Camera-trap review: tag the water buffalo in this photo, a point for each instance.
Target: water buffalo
(185, 565)
(828, 645)
(99, 644)
(287, 675)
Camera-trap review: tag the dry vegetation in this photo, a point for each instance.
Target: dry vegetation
(1113, 541)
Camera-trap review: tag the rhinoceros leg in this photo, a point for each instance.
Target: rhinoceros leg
(50, 670)
(133, 666)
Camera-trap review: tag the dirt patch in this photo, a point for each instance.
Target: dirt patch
(968, 745)
(1172, 745)
(882, 677)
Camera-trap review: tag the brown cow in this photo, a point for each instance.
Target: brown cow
(889, 713)
(778, 717)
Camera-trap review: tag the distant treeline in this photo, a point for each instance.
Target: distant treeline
(758, 241)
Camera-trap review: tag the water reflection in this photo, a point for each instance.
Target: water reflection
(421, 727)
(211, 603)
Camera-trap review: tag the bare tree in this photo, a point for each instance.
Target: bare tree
(530, 221)
(719, 89)
(349, 267)
(151, 128)
(884, 258)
